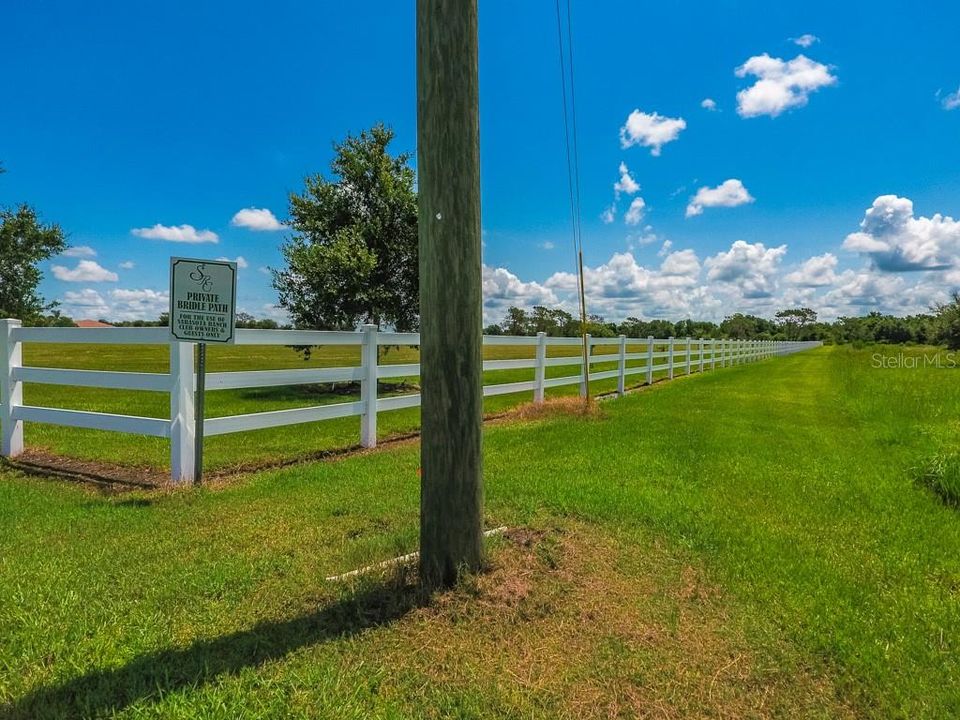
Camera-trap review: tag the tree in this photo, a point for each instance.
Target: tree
(794, 320)
(948, 322)
(24, 243)
(353, 257)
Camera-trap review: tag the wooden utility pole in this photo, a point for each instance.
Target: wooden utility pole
(451, 353)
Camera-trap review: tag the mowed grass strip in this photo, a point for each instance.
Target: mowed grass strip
(753, 543)
(259, 447)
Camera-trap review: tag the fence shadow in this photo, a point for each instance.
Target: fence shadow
(105, 692)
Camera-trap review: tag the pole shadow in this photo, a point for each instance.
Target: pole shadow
(101, 693)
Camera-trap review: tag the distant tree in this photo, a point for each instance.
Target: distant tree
(25, 242)
(795, 320)
(517, 322)
(948, 322)
(353, 255)
(746, 327)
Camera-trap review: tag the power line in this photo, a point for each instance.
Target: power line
(573, 177)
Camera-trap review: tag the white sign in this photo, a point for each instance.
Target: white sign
(203, 297)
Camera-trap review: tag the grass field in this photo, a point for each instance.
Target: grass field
(227, 452)
(756, 542)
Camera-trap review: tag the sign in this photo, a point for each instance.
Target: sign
(203, 296)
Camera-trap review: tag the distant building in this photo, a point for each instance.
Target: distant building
(92, 324)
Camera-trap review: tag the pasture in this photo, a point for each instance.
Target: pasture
(227, 453)
(762, 541)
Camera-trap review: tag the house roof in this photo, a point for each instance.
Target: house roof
(92, 324)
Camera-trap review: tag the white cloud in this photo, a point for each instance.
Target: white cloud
(128, 265)
(729, 193)
(896, 241)
(626, 183)
(818, 271)
(708, 104)
(264, 269)
(650, 130)
(120, 304)
(547, 245)
(805, 40)
(176, 233)
(752, 267)
(501, 289)
(665, 248)
(239, 260)
(80, 251)
(85, 271)
(951, 101)
(781, 85)
(260, 219)
(681, 263)
(609, 214)
(634, 213)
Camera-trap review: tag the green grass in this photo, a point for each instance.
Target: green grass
(746, 543)
(226, 452)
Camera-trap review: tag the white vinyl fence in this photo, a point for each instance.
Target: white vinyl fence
(671, 355)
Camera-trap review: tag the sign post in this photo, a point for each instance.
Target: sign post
(203, 309)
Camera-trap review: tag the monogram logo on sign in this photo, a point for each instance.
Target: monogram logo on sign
(201, 278)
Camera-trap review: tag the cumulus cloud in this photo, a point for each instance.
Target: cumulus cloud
(609, 214)
(547, 245)
(708, 104)
(176, 233)
(239, 260)
(79, 251)
(650, 130)
(729, 193)
(896, 241)
(501, 289)
(683, 263)
(634, 213)
(750, 266)
(818, 271)
(781, 85)
(120, 304)
(128, 265)
(805, 40)
(951, 101)
(259, 219)
(85, 271)
(626, 184)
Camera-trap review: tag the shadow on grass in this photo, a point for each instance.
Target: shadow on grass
(105, 692)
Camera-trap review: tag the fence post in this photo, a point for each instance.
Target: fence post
(585, 370)
(670, 359)
(649, 359)
(713, 353)
(701, 354)
(368, 387)
(540, 371)
(11, 389)
(689, 361)
(183, 420)
(622, 367)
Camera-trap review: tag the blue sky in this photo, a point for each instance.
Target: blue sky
(118, 117)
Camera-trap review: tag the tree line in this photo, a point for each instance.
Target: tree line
(940, 327)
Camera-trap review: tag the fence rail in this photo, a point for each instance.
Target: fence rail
(681, 354)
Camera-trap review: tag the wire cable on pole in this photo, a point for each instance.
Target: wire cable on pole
(573, 174)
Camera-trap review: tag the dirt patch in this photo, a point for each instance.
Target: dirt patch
(571, 623)
(588, 409)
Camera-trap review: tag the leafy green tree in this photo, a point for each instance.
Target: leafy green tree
(795, 320)
(25, 242)
(948, 321)
(353, 255)
(517, 322)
